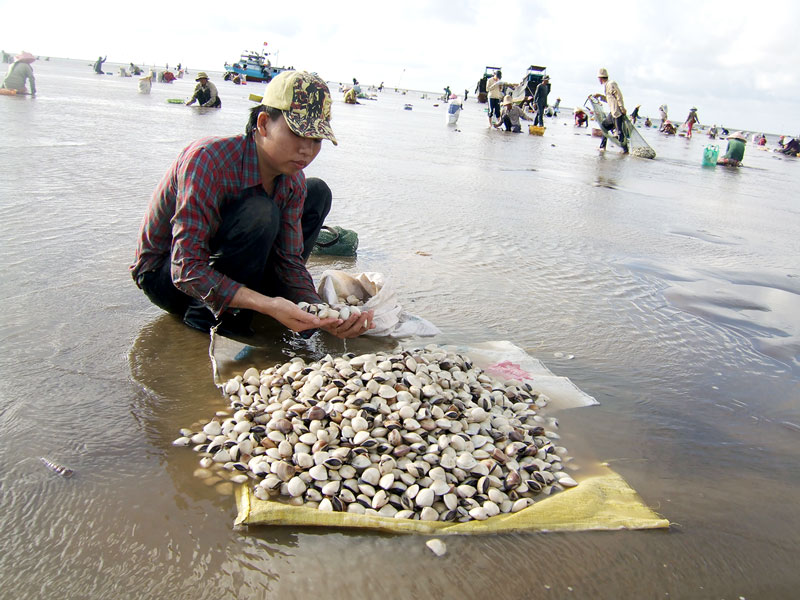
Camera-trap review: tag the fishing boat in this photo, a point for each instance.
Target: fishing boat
(527, 87)
(253, 66)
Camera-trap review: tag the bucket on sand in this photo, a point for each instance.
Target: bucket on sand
(535, 130)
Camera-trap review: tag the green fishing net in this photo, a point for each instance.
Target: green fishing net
(336, 241)
(636, 143)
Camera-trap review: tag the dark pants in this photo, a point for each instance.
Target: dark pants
(204, 96)
(242, 250)
(509, 127)
(539, 118)
(620, 134)
(494, 108)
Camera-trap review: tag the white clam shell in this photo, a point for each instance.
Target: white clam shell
(424, 497)
(318, 473)
(386, 481)
(359, 424)
(295, 487)
(371, 476)
(566, 481)
(479, 513)
(212, 428)
(437, 546)
(428, 514)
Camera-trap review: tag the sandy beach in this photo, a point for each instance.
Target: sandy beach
(666, 290)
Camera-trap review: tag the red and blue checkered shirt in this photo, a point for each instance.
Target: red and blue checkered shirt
(185, 213)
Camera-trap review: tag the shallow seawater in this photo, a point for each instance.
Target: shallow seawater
(675, 288)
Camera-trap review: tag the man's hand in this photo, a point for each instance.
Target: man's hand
(355, 326)
(292, 316)
(282, 310)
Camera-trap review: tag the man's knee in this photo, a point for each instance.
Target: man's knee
(319, 197)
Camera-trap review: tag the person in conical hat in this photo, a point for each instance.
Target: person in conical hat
(230, 226)
(19, 73)
(691, 120)
(734, 153)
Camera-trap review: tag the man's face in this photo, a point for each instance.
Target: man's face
(281, 150)
(203, 81)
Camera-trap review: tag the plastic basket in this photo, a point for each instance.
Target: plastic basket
(710, 155)
(535, 130)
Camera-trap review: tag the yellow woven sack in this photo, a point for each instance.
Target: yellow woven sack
(602, 502)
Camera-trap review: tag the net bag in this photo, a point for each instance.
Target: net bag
(336, 241)
(605, 122)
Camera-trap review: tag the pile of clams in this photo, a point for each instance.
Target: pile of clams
(420, 434)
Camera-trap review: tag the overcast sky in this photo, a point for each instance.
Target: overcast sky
(738, 62)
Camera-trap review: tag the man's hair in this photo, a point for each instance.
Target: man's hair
(252, 122)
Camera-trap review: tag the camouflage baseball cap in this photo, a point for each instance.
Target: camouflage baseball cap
(305, 101)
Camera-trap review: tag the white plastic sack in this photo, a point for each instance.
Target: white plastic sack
(389, 318)
(453, 111)
(509, 362)
(145, 84)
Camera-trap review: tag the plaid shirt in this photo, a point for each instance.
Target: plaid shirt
(185, 213)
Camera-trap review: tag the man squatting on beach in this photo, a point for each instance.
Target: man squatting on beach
(230, 226)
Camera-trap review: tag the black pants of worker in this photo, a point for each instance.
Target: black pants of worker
(509, 127)
(539, 118)
(494, 108)
(242, 250)
(204, 96)
(620, 134)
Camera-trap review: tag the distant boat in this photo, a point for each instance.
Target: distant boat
(254, 66)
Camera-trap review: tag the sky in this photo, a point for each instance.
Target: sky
(736, 61)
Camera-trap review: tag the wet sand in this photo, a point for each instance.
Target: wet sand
(675, 288)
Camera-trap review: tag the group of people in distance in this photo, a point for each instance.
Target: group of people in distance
(508, 112)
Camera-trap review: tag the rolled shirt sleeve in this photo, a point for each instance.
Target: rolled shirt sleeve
(194, 223)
